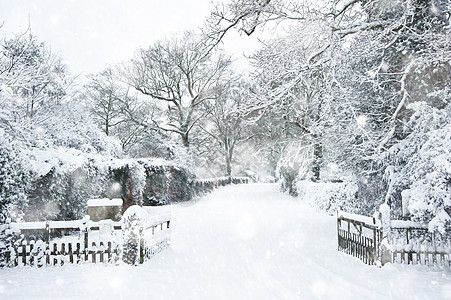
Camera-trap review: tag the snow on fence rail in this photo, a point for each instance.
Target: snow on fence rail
(397, 242)
(106, 241)
(206, 185)
(411, 243)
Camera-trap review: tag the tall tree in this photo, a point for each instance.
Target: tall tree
(391, 56)
(118, 110)
(33, 78)
(225, 122)
(292, 76)
(178, 73)
(106, 95)
(385, 56)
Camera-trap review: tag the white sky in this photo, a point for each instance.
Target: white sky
(89, 34)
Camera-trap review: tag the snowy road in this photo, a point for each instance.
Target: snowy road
(240, 242)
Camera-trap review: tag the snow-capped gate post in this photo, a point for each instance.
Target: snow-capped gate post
(386, 254)
(47, 242)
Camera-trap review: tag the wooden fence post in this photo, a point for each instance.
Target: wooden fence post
(47, 242)
(385, 255)
(338, 230)
(85, 234)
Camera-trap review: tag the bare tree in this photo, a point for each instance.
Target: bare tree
(225, 123)
(33, 84)
(118, 109)
(177, 73)
(105, 93)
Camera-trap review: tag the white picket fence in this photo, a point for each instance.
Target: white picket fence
(81, 241)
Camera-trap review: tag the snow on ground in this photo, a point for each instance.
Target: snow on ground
(240, 242)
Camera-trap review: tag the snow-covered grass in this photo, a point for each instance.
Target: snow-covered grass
(240, 242)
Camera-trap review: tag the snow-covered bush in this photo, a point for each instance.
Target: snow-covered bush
(63, 180)
(294, 164)
(37, 254)
(287, 176)
(331, 197)
(8, 238)
(179, 188)
(428, 198)
(70, 126)
(130, 175)
(148, 182)
(13, 180)
(133, 223)
(156, 189)
(421, 170)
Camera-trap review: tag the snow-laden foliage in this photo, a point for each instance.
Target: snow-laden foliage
(54, 156)
(331, 197)
(47, 138)
(395, 56)
(117, 108)
(138, 182)
(33, 82)
(62, 185)
(293, 91)
(345, 92)
(37, 254)
(8, 237)
(67, 181)
(422, 167)
(134, 221)
(71, 127)
(144, 233)
(294, 164)
(14, 179)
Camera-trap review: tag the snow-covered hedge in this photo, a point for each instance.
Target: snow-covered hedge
(60, 182)
(202, 186)
(330, 196)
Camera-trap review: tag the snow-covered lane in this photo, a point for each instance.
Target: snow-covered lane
(240, 242)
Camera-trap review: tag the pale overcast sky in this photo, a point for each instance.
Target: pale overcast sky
(89, 34)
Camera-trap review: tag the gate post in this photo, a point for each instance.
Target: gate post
(338, 229)
(47, 242)
(385, 254)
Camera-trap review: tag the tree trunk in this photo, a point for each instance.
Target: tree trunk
(107, 125)
(317, 148)
(185, 139)
(317, 159)
(228, 147)
(228, 165)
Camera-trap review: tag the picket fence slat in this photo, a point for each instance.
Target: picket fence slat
(422, 258)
